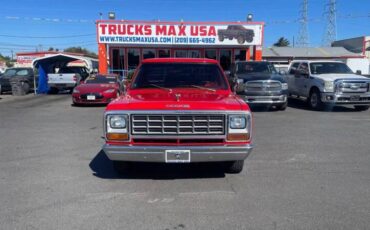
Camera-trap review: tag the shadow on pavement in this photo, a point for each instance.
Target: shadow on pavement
(300, 104)
(102, 167)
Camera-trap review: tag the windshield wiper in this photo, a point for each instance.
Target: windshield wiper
(201, 87)
(160, 87)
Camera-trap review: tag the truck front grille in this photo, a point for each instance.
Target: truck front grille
(262, 86)
(352, 86)
(143, 124)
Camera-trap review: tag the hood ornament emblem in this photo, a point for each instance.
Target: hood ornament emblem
(177, 95)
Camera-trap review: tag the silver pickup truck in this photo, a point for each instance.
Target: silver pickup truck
(66, 78)
(325, 83)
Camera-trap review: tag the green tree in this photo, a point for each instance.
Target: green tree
(81, 51)
(282, 42)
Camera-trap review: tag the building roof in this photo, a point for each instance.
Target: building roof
(308, 52)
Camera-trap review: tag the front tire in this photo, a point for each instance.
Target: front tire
(241, 40)
(314, 100)
(234, 167)
(361, 107)
(26, 87)
(282, 107)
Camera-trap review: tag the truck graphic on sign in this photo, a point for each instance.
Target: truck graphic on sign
(238, 32)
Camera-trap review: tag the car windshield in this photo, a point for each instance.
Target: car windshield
(15, 72)
(176, 75)
(329, 67)
(101, 79)
(255, 67)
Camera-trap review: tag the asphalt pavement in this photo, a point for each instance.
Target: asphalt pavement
(309, 170)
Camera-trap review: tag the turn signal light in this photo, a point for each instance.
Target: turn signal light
(117, 136)
(238, 137)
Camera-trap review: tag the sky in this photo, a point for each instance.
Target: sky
(27, 25)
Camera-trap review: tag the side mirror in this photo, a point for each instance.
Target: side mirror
(358, 72)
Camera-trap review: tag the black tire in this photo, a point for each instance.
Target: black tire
(282, 107)
(221, 38)
(361, 107)
(121, 167)
(249, 39)
(314, 100)
(1, 92)
(234, 167)
(241, 39)
(26, 87)
(53, 90)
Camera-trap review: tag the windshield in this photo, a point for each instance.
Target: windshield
(329, 67)
(101, 79)
(174, 75)
(255, 67)
(15, 72)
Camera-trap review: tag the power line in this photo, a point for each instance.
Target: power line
(47, 37)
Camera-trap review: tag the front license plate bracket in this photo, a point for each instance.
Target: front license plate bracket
(177, 156)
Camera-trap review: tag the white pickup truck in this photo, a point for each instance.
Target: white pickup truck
(328, 83)
(66, 78)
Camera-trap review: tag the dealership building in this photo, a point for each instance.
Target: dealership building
(124, 44)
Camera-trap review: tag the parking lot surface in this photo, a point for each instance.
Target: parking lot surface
(309, 170)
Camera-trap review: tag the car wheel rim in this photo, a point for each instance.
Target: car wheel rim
(314, 100)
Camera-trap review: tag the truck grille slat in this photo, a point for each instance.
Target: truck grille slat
(352, 86)
(178, 124)
(263, 86)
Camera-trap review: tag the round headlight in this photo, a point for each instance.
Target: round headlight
(75, 91)
(238, 122)
(117, 122)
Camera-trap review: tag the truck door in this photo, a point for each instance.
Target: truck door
(291, 78)
(301, 79)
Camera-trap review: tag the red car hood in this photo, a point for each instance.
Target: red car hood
(94, 88)
(178, 99)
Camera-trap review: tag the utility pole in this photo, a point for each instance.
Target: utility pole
(302, 40)
(330, 34)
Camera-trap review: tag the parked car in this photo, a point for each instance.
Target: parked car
(66, 78)
(238, 32)
(324, 83)
(97, 89)
(258, 82)
(23, 75)
(178, 110)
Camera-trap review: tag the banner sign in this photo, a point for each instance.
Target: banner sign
(180, 34)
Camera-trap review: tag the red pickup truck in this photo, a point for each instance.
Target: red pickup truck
(178, 111)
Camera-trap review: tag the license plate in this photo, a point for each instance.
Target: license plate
(355, 98)
(91, 97)
(177, 156)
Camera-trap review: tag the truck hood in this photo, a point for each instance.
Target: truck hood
(260, 77)
(178, 99)
(333, 77)
(94, 88)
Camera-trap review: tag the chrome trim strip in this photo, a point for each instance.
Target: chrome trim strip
(198, 153)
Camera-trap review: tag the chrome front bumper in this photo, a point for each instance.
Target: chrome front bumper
(264, 99)
(346, 99)
(158, 153)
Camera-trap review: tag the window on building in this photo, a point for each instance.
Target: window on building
(133, 58)
(164, 53)
(225, 59)
(181, 53)
(211, 54)
(240, 55)
(148, 53)
(118, 61)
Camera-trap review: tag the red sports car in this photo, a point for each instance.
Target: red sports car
(97, 89)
